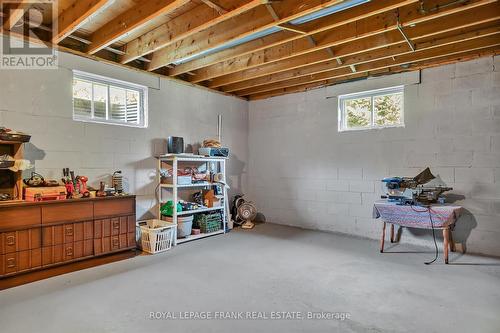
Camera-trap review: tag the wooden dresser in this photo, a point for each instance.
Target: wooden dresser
(43, 239)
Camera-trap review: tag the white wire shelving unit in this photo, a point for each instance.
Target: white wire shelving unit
(177, 162)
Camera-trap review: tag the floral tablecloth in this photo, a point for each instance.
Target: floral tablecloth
(417, 216)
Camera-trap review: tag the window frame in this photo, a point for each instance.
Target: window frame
(342, 119)
(109, 82)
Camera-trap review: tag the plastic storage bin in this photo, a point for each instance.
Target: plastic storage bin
(156, 235)
(181, 180)
(208, 223)
(184, 225)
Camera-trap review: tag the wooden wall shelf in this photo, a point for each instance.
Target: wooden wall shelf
(12, 182)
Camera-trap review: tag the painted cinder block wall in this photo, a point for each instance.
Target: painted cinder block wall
(39, 102)
(304, 173)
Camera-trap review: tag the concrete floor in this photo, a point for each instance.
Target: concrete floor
(269, 269)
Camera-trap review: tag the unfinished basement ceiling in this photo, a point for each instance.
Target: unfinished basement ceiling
(257, 49)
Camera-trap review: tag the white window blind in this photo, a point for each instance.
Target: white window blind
(104, 100)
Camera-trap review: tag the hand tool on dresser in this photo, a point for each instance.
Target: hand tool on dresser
(101, 192)
(82, 180)
(70, 188)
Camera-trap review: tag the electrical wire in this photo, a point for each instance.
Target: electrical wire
(434, 237)
(428, 209)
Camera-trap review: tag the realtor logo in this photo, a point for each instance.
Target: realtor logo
(26, 28)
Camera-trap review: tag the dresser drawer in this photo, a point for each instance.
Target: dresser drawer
(16, 217)
(67, 212)
(114, 243)
(52, 255)
(78, 250)
(20, 261)
(20, 240)
(111, 227)
(131, 241)
(113, 207)
(131, 223)
(67, 233)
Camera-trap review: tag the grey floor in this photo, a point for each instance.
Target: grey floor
(268, 270)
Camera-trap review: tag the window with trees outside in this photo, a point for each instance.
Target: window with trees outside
(104, 100)
(372, 109)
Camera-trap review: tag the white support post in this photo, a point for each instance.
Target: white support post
(159, 189)
(174, 194)
(224, 212)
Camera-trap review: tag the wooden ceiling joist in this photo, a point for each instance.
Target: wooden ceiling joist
(437, 61)
(183, 26)
(325, 23)
(426, 50)
(215, 6)
(220, 74)
(249, 23)
(357, 42)
(74, 16)
(130, 20)
(257, 49)
(223, 73)
(367, 20)
(354, 53)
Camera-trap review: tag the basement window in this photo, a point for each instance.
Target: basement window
(379, 108)
(99, 99)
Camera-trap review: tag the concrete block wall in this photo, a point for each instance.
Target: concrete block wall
(304, 173)
(39, 102)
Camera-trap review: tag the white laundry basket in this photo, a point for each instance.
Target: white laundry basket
(156, 235)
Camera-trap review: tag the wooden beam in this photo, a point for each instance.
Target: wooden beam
(272, 12)
(16, 13)
(130, 20)
(303, 88)
(325, 23)
(74, 16)
(293, 28)
(342, 34)
(249, 23)
(363, 57)
(302, 55)
(439, 61)
(183, 26)
(437, 50)
(377, 64)
(317, 68)
(215, 6)
(343, 50)
(110, 62)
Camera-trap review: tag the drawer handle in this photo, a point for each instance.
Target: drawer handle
(69, 251)
(11, 240)
(116, 224)
(69, 231)
(11, 263)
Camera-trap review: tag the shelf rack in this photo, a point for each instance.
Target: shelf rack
(12, 182)
(175, 162)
